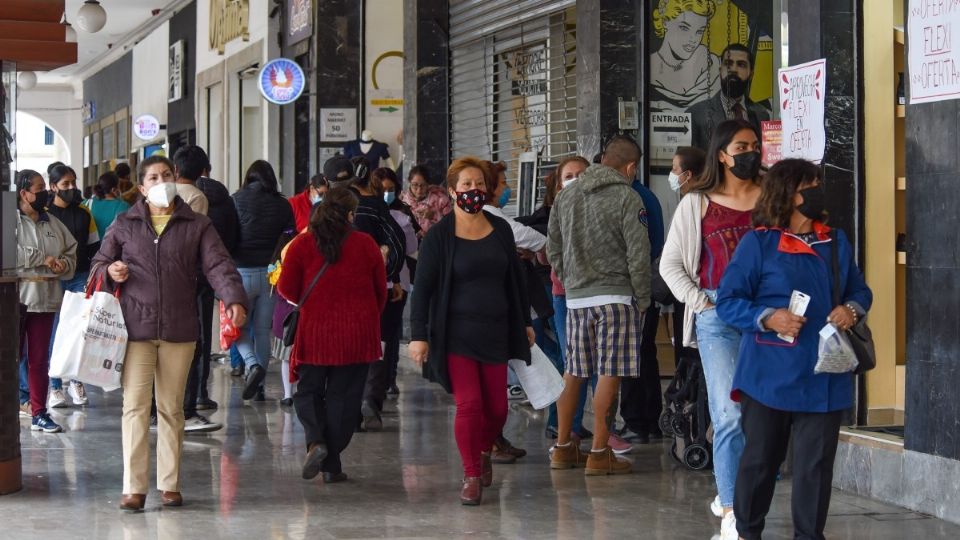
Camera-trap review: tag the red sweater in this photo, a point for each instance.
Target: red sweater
(340, 320)
(301, 209)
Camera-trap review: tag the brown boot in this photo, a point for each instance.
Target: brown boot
(472, 491)
(606, 462)
(567, 457)
(133, 502)
(504, 446)
(486, 475)
(171, 498)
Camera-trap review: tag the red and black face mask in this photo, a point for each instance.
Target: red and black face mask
(471, 201)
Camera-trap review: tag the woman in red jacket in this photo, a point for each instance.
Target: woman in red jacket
(339, 330)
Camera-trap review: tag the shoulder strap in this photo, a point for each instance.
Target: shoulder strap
(835, 265)
(316, 278)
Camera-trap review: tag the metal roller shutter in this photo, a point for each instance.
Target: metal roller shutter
(513, 82)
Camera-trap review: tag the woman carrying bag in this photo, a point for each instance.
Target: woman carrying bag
(337, 277)
(470, 314)
(154, 250)
(781, 395)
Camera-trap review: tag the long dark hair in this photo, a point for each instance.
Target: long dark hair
(261, 171)
(57, 173)
(712, 177)
(105, 185)
(419, 170)
(25, 179)
(775, 205)
(330, 222)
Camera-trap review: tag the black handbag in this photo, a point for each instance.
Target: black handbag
(861, 338)
(292, 319)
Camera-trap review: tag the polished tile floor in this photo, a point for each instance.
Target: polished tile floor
(244, 482)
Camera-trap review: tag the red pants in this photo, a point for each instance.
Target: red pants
(35, 329)
(479, 390)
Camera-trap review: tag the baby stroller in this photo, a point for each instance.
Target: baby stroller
(686, 416)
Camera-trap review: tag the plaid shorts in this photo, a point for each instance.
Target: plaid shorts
(604, 340)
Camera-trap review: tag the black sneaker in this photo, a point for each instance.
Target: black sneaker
(252, 381)
(371, 418)
(260, 395)
(237, 371)
(394, 390)
(206, 404)
(286, 402)
(200, 424)
(43, 422)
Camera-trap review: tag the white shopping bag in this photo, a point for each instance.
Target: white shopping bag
(540, 380)
(91, 340)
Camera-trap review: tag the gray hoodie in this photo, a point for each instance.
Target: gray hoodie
(597, 241)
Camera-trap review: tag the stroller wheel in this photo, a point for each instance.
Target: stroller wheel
(674, 453)
(697, 457)
(666, 422)
(679, 425)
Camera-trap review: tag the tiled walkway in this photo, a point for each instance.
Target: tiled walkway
(244, 482)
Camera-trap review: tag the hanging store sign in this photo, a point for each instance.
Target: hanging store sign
(281, 81)
(933, 61)
(88, 112)
(299, 20)
(338, 125)
(176, 73)
(803, 92)
(146, 127)
(229, 20)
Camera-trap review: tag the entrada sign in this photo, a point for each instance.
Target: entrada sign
(229, 20)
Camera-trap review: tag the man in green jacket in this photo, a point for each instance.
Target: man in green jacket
(599, 248)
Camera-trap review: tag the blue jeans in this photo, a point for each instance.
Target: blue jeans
(76, 284)
(254, 341)
(235, 359)
(560, 322)
(719, 346)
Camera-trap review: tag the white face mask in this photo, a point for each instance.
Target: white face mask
(569, 181)
(675, 182)
(315, 199)
(162, 195)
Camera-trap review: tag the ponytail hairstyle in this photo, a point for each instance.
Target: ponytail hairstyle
(105, 185)
(25, 179)
(330, 222)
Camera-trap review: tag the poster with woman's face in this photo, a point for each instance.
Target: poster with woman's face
(688, 37)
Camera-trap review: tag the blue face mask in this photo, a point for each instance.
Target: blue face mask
(504, 197)
(389, 196)
(316, 200)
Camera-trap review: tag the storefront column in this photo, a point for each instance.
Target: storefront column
(339, 25)
(609, 68)
(426, 115)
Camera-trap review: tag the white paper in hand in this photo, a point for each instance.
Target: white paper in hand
(540, 380)
(798, 306)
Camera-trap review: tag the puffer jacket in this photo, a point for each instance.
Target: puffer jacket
(263, 218)
(37, 240)
(222, 212)
(597, 241)
(159, 299)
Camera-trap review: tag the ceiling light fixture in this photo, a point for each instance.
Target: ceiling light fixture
(26, 80)
(71, 34)
(92, 17)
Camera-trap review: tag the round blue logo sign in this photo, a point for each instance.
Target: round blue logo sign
(281, 81)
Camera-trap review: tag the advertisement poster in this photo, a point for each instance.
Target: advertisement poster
(803, 92)
(771, 141)
(708, 54)
(933, 62)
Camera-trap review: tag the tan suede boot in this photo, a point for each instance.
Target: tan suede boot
(606, 462)
(567, 457)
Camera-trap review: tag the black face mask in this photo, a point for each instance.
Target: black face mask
(746, 166)
(40, 201)
(733, 86)
(814, 200)
(70, 196)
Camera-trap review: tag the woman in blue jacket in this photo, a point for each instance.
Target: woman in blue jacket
(781, 396)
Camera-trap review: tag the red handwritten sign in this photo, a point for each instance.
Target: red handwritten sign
(933, 62)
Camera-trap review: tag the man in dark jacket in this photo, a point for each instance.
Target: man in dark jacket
(193, 166)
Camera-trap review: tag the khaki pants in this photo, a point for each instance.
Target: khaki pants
(165, 365)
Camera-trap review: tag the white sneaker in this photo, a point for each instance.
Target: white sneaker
(716, 507)
(200, 424)
(57, 399)
(77, 393)
(728, 528)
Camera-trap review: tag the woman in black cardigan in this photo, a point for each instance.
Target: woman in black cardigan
(470, 304)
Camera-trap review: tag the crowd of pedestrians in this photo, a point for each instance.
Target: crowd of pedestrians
(320, 283)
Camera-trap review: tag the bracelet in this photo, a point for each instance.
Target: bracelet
(853, 311)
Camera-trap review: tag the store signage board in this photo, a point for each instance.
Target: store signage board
(385, 102)
(771, 142)
(281, 81)
(668, 131)
(803, 92)
(338, 125)
(175, 72)
(299, 20)
(932, 60)
(229, 20)
(146, 127)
